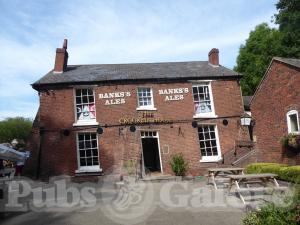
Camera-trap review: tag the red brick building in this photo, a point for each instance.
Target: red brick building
(95, 119)
(275, 108)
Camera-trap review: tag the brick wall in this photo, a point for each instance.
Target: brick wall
(118, 143)
(278, 94)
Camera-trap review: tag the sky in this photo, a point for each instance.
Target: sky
(108, 31)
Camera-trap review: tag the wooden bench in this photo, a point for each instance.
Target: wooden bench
(225, 172)
(263, 179)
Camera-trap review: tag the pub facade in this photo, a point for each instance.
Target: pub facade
(94, 119)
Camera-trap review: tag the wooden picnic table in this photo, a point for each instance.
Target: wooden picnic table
(225, 172)
(245, 179)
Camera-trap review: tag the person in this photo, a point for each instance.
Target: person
(19, 167)
(1, 168)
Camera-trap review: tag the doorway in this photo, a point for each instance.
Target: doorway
(151, 152)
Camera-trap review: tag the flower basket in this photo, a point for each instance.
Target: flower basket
(291, 142)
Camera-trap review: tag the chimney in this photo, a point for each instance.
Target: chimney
(213, 57)
(61, 59)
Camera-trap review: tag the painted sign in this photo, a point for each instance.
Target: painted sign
(115, 98)
(173, 94)
(144, 119)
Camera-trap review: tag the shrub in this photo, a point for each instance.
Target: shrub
(284, 172)
(130, 167)
(178, 164)
(291, 173)
(272, 214)
(264, 168)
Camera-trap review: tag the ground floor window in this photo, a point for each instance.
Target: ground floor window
(209, 143)
(88, 155)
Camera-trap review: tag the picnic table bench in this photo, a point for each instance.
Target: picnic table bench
(225, 172)
(263, 179)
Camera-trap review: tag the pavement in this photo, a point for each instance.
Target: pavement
(142, 203)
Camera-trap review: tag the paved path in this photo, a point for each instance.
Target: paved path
(165, 203)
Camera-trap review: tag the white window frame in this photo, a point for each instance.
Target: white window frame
(211, 114)
(86, 169)
(289, 113)
(215, 158)
(150, 133)
(147, 107)
(84, 122)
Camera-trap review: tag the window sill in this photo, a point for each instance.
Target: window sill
(87, 170)
(213, 159)
(205, 116)
(85, 123)
(146, 109)
(294, 132)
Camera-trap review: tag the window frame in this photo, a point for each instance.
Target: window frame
(288, 114)
(85, 169)
(210, 158)
(211, 114)
(148, 107)
(84, 122)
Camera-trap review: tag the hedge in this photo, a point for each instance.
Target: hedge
(284, 172)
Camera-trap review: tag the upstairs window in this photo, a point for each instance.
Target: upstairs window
(85, 105)
(293, 121)
(145, 98)
(203, 101)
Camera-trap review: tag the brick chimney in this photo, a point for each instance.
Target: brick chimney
(213, 57)
(61, 58)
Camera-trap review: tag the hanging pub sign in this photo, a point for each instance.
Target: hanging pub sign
(115, 98)
(173, 94)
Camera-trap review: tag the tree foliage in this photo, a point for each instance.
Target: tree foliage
(288, 19)
(12, 128)
(264, 43)
(254, 57)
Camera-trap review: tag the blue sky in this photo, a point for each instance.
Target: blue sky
(115, 32)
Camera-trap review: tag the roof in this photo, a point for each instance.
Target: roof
(289, 61)
(293, 62)
(77, 74)
(247, 100)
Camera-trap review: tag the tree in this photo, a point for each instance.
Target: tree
(288, 19)
(12, 128)
(254, 57)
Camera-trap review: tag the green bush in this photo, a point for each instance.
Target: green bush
(284, 172)
(271, 214)
(291, 173)
(264, 168)
(178, 164)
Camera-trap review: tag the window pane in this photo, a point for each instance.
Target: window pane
(82, 153)
(294, 123)
(89, 161)
(84, 91)
(88, 153)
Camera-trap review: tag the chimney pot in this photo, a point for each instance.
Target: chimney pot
(65, 45)
(213, 57)
(61, 58)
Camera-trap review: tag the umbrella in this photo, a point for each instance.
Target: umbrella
(11, 154)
